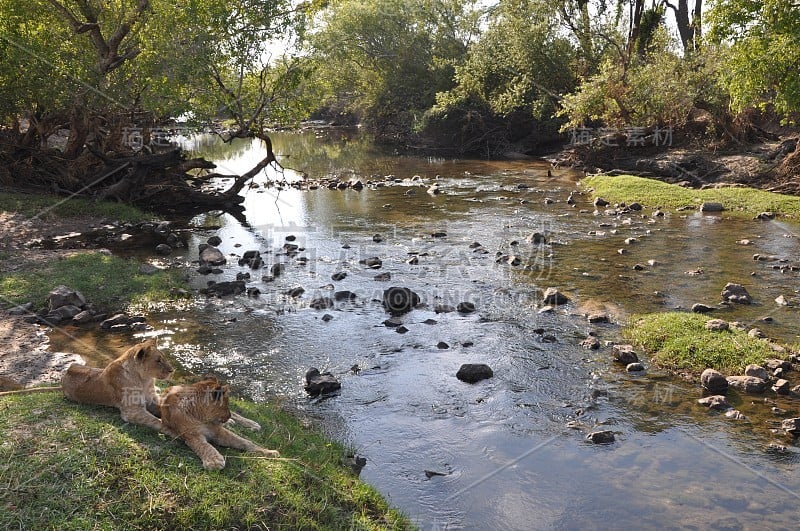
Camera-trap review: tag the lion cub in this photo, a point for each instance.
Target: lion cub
(196, 413)
(127, 383)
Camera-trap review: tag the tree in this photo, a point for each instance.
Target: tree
(763, 64)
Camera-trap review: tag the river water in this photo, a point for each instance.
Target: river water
(508, 452)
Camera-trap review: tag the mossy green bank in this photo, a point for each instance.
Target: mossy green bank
(679, 341)
(70, 466)
(738, 201)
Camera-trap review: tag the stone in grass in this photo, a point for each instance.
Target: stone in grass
(474, 372)
(601, 437)
(717, 325)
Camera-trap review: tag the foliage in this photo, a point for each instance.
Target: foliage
(109, 282)
(657, 88)
(72, 466)
(680, 341)
(739, 201)
(762, 64)
(384, 61)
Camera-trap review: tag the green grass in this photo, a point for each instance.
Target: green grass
(49, 206)
(110, 282)
(743, 202)
(679, 341)
(69, 466)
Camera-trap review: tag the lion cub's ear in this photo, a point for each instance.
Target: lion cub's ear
(141, 350)
(219, 392)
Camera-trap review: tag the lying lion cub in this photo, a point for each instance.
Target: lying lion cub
(196, 413)
(127, 383)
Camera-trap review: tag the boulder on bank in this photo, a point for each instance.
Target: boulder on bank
(716, 325)
(747, 384)
(756, 371)
(64, 296)
(624, 354)
(474, 372)
(554, 297)
(320, 383)
(714, 381)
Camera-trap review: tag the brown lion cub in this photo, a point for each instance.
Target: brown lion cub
(127, 383)
(196, 413)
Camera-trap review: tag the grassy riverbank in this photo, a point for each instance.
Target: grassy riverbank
(679, 341)
(65, 465)
(738, 201)
(36, 206)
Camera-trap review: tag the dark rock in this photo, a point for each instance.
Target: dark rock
(277, 270)
(736, 293)
(591, 343)
(773, 364)
(474, 372)
(320, 383)
(120, 328)
(163, 249)
(398, 301)
(638, 267)
(444, 308)
(791, 426)
(290, 248)
(537, 238)
(345, 296)
(756, 371)
(116, 319)
(291, 238)
(372, 263)
(393, 322)
(212, 256)
(711, 207)
(383, 277)
(765, 216)
(205, 269)
(601, 437)
(295, 291)
(600, 202)
(714, 381)
(439, 234)
(624, 354)
(598, 318)
(321, 303)
(377, 238)
(253, 292)
(634, 367)
(747, 384)
(341, 275)
(64, 296)
(465, 307)
(413, 260)
(442, 345)
(222, 289)
(782, 387)
(636, 207)
(242, 276)
(717, 325)
(22, 309)
(83, 317)
(214, 241)
(430, 322)
(327, 317)
(718, 402)
(554, 297)
(63, 313)
(702, 308)
(401, 329)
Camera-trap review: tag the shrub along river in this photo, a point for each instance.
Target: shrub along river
(508, 452)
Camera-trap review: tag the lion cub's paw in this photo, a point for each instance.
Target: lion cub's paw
(216, 462)
(268, 453)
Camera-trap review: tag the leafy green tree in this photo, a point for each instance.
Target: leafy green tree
(763, 63)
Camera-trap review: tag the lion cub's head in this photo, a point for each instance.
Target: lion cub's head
(151, 361)
(211, 400)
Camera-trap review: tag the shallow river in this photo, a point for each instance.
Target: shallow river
(508, 452)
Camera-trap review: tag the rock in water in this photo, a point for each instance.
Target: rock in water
(398, 301)
(736, 293)
(555, 297)
(714, 381)
(212, 256)
(747, 384)
(474, 372)
(320, 383)
(601, 437)
(624, 354)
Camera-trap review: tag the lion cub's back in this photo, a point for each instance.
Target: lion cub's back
(85, 385)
